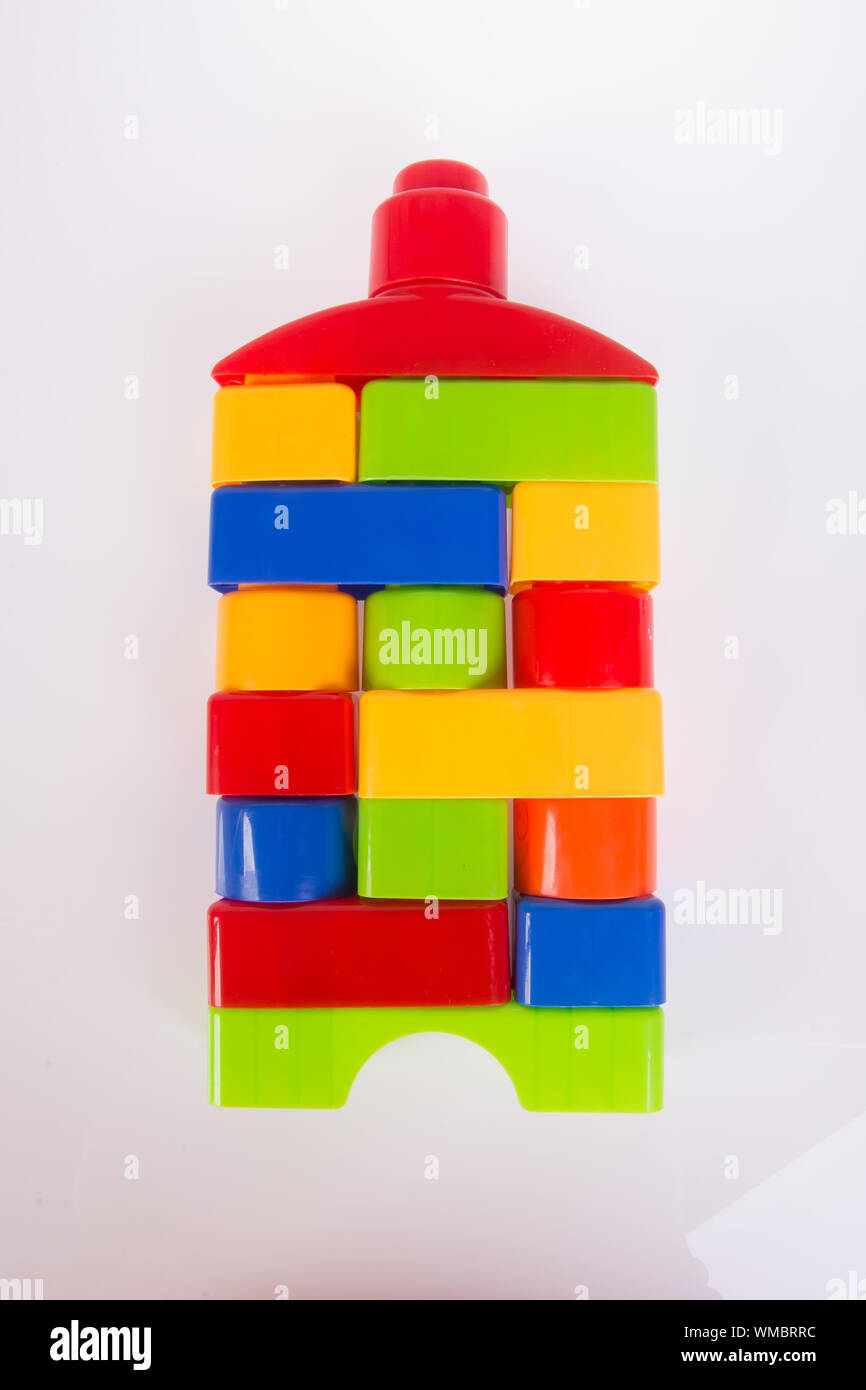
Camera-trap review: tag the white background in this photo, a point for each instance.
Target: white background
(261, 126)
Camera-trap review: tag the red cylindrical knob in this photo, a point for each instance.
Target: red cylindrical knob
(439, 227)
(441, 173)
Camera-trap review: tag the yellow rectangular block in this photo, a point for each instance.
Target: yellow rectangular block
(510, 743)
(273, 637)
(281, 434)
(585, 532)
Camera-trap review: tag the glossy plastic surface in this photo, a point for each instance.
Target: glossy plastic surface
(507, 431)
(578, 637)
(434, 639)
(444, 849)
(587, 532)
(589, 954)
(439, 225)
(602, 1060)
(280, 638)
(285, 849)
(352, 953)
(357, 536)
(279, 743)
(432, 330)
(592, 847)
(437, 311)
(510, 743)
(284, 433)
(438, 274)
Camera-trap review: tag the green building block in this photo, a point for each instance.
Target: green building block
(434, 639)
(442, 849)
(606, 1060)
(507, 432)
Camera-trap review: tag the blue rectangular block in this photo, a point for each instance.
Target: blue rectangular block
(580, 954)
(357, 536)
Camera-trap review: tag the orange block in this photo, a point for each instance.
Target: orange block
(589, 847)
(587, 533)
(280, 637)
(284, 433)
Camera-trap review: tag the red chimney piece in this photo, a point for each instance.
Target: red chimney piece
(439, 227)
(437, 303)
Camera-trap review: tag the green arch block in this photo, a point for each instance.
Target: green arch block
(558, 1059)
(507, 432)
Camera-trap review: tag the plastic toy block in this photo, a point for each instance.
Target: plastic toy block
(507, 432)
(589, 532)
(437, 303)
(357, 536)
(434, 639)
(279, 743)
(591, 847)
(607, 1060)
(510, 743)
(274, 638)
(589, 955)
(284, 434)
(569, 636)
(442, 849)
(285, 849)
(462, 395)
(350, 953)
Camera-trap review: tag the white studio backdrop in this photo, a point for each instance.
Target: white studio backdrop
(163, 163)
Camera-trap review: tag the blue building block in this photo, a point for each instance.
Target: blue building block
(285, 849)
(578, 954)
(358, 537)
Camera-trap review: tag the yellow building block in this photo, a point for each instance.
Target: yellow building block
(605, 532)
(510, 743)
(277, 638)
(284, 434)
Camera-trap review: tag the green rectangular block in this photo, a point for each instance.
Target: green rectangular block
(442, 849)
(506, 432)
(601, 1060)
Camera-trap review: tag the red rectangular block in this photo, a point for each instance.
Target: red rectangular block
(354, 953)
(280, 743)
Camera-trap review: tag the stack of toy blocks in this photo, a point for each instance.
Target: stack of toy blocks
(347, 921)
